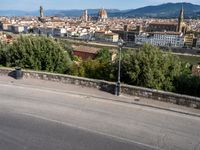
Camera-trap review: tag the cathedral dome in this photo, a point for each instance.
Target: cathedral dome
(103, 14)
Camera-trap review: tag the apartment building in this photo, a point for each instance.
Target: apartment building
(171, 39)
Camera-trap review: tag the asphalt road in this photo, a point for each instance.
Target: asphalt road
(41, 119)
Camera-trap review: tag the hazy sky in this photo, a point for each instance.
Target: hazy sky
(81, 4)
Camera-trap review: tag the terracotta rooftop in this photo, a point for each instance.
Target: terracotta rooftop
(100, 31)
(86, 49)
(164, 23)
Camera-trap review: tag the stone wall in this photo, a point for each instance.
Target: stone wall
(110, 87)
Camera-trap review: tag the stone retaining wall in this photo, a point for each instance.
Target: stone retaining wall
(110, 87)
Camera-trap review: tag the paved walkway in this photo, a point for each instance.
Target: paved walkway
(91, 92)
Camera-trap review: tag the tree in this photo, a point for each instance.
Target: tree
(95, 69)
(104, 55)
(99, 68)
(77, 69)
(150, 67)
(3, 50)
(187, 84)
(67, 47)
(38, 53)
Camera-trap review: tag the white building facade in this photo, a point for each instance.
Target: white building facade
(167, 39)
(59, 32)
(198, 42)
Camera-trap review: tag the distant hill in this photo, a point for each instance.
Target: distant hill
(72, 12)
(12, 13)
(78, 12)
(168, 10)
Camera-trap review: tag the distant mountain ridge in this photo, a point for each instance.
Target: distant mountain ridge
(167, 10)
(71, 13)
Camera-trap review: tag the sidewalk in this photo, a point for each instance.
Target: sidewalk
(91, 92)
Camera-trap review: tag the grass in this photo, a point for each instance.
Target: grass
(190, 59)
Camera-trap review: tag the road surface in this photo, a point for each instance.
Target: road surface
(41, 119)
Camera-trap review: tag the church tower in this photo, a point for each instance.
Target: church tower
(41, 12)
(85, 15)
(181, 20)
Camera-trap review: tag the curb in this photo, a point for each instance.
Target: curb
(128, 101)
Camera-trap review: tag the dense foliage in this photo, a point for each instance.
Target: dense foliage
(35, 52)
(150, 67)
(99, 68)
(66, 46)
(147, 66)
(188, 84)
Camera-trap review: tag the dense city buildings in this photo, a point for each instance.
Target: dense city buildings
(171, 34)
(171, 26)
(160, 32)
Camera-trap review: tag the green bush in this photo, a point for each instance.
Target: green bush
(150, 67)
(104, 55)
(147, 67)
(187, 84)
(95, 69)
(99, 68)
(36, 52)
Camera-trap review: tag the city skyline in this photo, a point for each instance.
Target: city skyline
(31, 5)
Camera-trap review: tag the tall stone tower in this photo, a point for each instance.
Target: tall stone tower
(181, 20)
(41, 12)
(85, 15)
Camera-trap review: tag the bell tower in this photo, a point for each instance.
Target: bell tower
(41, 12)
(181, 20)
(85, 15)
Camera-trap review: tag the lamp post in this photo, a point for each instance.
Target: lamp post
(118, 86)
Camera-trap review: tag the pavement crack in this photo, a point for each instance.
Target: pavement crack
(161, 139)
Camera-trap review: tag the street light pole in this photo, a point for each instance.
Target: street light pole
(118, 84)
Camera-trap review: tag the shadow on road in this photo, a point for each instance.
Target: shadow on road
(12, 74)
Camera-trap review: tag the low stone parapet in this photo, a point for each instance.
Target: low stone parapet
(169, 97)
